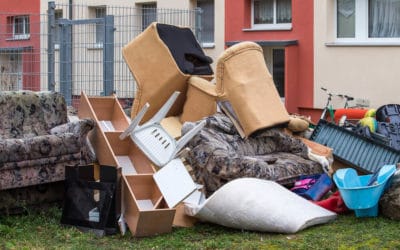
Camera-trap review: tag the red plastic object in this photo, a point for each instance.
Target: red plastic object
(351, 114)
(333, 203)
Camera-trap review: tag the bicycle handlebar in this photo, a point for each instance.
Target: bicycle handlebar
(348, 98)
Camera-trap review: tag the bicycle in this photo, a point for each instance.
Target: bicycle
(328, 106)
(339, 116)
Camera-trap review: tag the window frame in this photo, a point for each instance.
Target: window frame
(361, 27)
(99, 31)
(25, 27)
(208, 44)
(273, 26)
(148, 10)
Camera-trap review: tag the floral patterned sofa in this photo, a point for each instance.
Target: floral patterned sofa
(218, 155)
(37, 141)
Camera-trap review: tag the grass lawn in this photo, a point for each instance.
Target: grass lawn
(42, 230)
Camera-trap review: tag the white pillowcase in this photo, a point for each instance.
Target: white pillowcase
(259, 205)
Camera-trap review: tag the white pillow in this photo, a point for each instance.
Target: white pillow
(259, 205)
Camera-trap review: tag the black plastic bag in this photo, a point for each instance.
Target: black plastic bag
(90, 204)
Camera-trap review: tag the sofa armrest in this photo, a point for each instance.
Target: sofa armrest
(79, 127)
(200, 100)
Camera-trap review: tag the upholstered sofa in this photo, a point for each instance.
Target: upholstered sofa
(36, 139)
(218, 155)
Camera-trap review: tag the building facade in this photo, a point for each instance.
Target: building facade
(24, 33)
(284, 29)
(357, 50)
(19, 45)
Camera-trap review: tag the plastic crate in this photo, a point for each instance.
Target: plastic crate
(354, 150)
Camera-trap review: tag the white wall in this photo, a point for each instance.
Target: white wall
(368, 72)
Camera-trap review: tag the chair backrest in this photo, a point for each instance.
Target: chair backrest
(153, 140)
(187, 52)
(230, 52)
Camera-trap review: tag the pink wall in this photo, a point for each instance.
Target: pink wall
(299, 74)
(31, 57)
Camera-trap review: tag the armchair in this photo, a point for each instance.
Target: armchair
(36, 139)
(242, 77)
(162, 59)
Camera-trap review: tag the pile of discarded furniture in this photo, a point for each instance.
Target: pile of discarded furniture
(216, 147)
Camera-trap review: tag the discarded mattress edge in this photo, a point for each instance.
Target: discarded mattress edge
(242, 204)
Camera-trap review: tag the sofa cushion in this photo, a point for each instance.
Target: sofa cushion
(43, 146)
(200, 100)
(26, 114)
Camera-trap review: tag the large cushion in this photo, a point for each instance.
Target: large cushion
(200, 100)
(259, 205)
(28, 113)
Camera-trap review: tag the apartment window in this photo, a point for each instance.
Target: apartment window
(368, 20)
(149, 14)
(207, 22)
(100, 12)
(58, 14)
(272, 14)
(19, 27)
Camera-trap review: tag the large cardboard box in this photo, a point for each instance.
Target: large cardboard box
(145, 210)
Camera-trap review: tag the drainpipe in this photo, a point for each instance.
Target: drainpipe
(70, 9)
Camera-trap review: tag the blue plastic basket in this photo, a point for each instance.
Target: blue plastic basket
(362, 193)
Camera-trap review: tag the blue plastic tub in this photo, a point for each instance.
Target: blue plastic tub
(362, 193)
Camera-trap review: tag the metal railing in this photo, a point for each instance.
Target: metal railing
(66, 49)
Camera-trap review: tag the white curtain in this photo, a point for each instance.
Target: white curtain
(346, 12)
(346, 7)
(283, 11)
(264, 11)
(384, 18)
